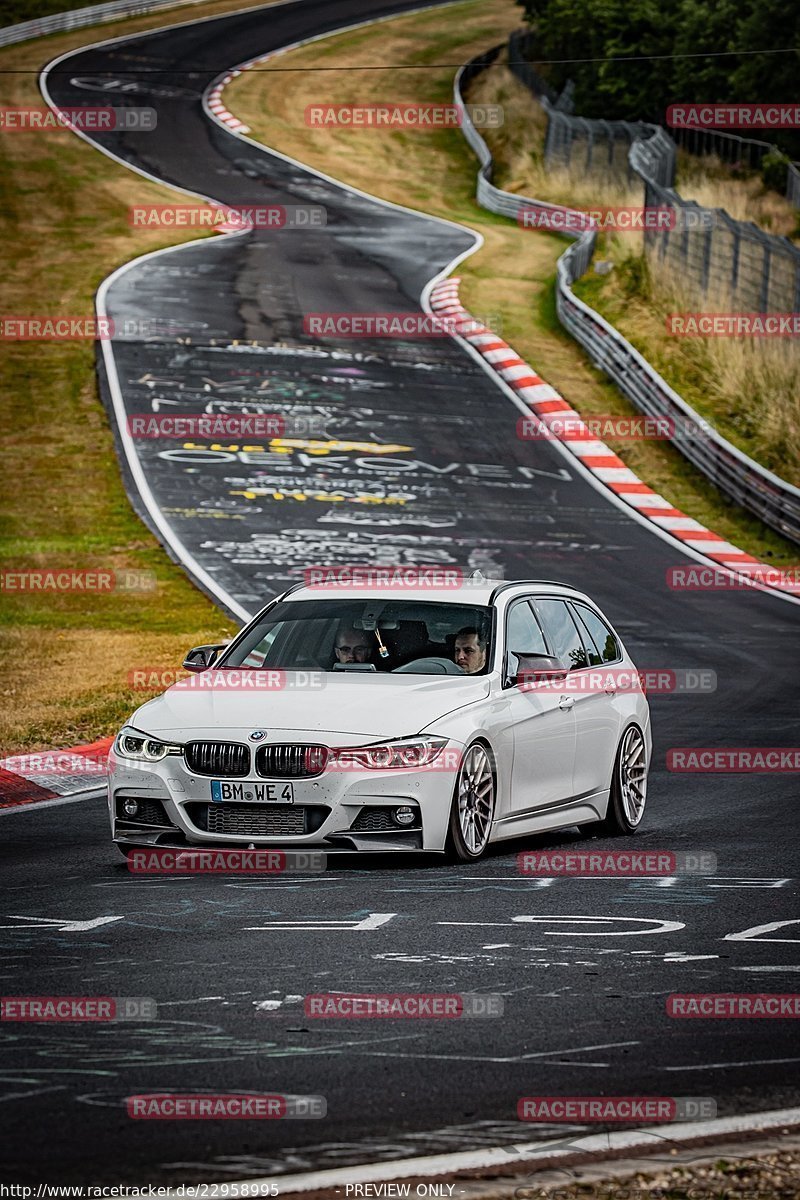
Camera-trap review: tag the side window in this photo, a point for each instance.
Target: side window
(562, 632)
(595, 657)
(607, 645)
(523, 635)
(258, 655)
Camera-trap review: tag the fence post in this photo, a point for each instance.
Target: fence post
(765, 272)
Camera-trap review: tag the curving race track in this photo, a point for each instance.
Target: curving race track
(427, 469)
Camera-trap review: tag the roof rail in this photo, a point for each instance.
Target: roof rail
(527, 582)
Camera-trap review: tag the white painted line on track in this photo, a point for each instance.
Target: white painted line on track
(526, 1153)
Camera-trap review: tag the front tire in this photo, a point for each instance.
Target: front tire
(626, 803)
(472, 810)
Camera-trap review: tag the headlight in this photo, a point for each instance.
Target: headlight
(131, 743)
(409, 752)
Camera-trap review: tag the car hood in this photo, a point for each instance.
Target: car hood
(366, 706)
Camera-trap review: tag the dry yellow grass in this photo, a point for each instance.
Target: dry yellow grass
(747, 388)
(708, 181)
(76, 685)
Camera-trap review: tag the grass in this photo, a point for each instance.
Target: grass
(748, 389)
(66, 657)
(513, 274)
(742, 194)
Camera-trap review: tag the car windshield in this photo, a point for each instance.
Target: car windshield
(365, 636)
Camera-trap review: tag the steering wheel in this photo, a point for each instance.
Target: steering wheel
(430, 666)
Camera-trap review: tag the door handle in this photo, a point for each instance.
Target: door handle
(566, 703)
(611, 690)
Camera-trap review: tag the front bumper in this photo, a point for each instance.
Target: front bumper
(341, 809)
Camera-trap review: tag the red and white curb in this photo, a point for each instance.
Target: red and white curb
(552, 409)
(218, 108)
(214, 101)
(52, 774)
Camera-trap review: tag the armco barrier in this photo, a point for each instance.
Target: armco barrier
(96, 14)
(772, 499)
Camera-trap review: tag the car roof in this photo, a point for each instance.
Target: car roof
(467, 591)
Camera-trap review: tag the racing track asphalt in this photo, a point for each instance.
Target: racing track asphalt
(584, 1014)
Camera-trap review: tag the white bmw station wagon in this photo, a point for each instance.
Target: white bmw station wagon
(392, 718)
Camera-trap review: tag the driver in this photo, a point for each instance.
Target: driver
(351, 645)
(470, 650)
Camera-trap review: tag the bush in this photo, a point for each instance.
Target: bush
(774, 166)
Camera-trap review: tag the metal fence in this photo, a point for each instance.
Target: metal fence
(96, 14)
(714, 256)
(566, 146)
(590, 145)
(732, 262)
(737, 151)
(774, 500)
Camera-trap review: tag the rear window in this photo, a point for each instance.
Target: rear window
(601, 644)
(562, 633)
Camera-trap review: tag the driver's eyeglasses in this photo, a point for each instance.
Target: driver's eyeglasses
(352, 649)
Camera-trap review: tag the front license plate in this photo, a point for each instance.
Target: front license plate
(265, 793)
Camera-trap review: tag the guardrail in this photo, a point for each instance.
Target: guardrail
(96, 14)
(772, 499)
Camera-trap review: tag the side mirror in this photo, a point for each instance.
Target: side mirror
(203, 657)
(526, 671)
